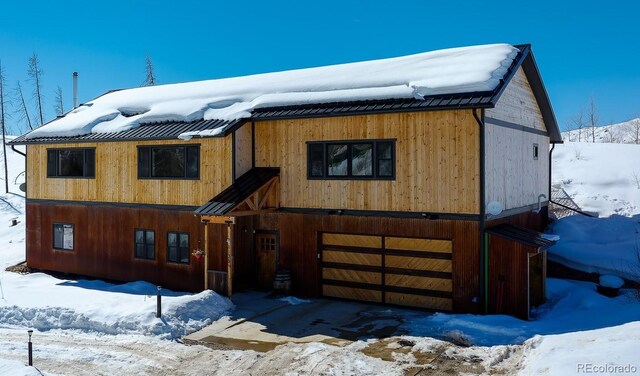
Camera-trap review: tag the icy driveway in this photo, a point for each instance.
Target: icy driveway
(261, 323)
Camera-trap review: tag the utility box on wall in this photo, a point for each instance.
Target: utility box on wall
(516, 270)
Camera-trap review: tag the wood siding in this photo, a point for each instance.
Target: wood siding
(517, 104)
(243, 149)
(104, 243)
(436, 161)
(117, 175)
(512, 176)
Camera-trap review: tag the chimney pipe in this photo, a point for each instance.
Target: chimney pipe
(75, 89)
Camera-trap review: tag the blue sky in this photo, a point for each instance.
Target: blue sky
(583, 49)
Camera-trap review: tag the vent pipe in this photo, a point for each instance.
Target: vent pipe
(75, 89)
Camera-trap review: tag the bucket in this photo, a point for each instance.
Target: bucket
(282, 281)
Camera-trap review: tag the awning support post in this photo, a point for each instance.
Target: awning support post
(206, 254)
(229, 258)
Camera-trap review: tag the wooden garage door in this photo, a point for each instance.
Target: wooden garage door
(385, 269)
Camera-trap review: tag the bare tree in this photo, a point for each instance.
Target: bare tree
(59, 104)
(22, 109)
(577, 123)
(4, 130)
(150, 79)
(35, 75)
(635, 130)
(592, 118)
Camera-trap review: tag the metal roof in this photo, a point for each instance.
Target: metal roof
(239, 191)
(521, 235)
(170, 130)
(148, 131)
(472, 100)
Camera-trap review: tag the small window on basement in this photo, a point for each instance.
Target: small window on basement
(63, 236)
(71, 163)
(178, 247)
(535, 151)
(145, 244)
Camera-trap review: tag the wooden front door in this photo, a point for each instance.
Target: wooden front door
(267, 258)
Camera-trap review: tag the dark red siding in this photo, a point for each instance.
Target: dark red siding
(104, 243)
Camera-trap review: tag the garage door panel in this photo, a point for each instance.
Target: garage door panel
(352, 275)
(430, 302)
(411, 272)
(352, 258)
(416, 263)
(414, 244)
(418, 282)
(349, 240)
(352, 293)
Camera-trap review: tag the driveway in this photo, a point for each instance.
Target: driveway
(261, 322)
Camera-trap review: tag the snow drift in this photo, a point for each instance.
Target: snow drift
(42, 302)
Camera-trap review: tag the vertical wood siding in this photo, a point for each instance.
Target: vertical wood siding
(117, 175)
(104, 243)
(513, 177)
(243, 149)
(436, 161)
(518, 105)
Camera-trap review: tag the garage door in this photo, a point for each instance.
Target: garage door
(412, 272)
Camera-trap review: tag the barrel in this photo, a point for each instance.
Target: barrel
(282, 281)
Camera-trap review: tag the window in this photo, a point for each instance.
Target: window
(178, 247)
(71, 163)
(169, 162)
(63, 236)
(535, 151)
(145, 244)
(366, 159)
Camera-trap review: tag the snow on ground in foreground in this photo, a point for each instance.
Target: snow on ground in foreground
(456, 70)
(571, 306)
(16, 368)
(573, 353)
(42, 302)
(599, 245)
(603, 178)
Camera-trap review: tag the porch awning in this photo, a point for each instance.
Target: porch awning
(240, 192)
(521, 235)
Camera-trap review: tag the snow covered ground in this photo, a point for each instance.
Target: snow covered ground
(600, 177)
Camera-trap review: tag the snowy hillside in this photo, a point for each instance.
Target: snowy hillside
(627, 132)
(600, 177)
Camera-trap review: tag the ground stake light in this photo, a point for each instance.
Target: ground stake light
(30, 348)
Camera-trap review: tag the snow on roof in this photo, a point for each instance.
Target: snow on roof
(450, 71)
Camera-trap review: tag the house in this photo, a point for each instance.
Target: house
(374, 181)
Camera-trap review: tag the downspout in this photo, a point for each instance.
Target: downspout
(553, 145)
(483, 277)
(13, 147)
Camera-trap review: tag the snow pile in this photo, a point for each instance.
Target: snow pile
(606, 351)
(611, 281)
(16, 368)
(627, 132)
(572, 306)
(42, 302)
(599, 245)
(603, 178)
(456, 70)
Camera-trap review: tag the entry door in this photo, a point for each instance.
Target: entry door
(267, 258)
